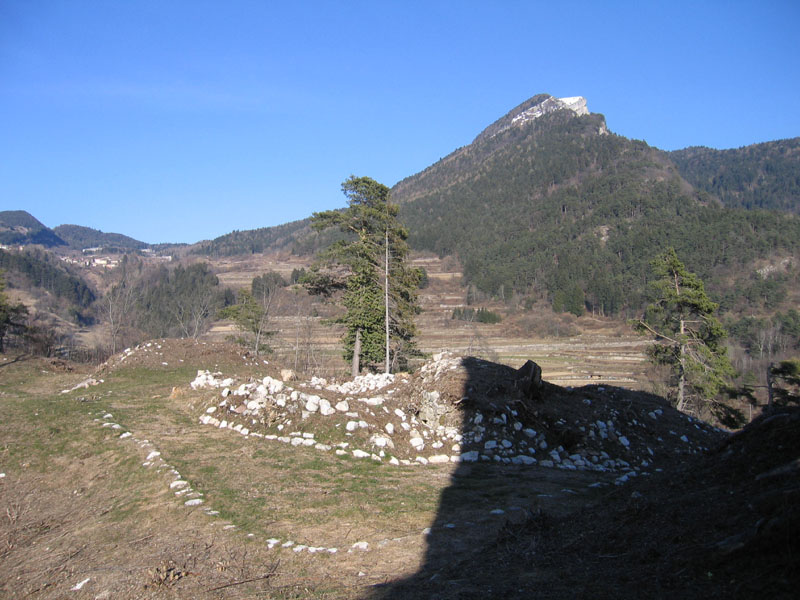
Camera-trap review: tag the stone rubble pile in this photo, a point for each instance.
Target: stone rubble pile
(449, 413)
(145, 348)
(191, 498)
(452, 410)
(205, 379)
(257, 396)
(359, 385)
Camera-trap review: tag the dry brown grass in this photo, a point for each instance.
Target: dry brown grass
(76, 502)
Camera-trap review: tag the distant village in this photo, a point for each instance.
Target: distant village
(93, 257)
(97, 257)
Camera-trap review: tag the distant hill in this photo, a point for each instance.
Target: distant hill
(18, 227)
(290, 236)
(80, 237)
(547, 202)
(41, 269)
(758, 176)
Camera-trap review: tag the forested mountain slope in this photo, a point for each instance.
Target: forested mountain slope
(758, 176)
(41, 269)
(254, 241)
(556, 205)
(18, 227)
(79, 237)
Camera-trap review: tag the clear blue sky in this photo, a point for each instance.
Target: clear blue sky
(184, 120)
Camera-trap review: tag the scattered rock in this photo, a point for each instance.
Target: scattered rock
(474, 409)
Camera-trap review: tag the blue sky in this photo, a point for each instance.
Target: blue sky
(184, 120)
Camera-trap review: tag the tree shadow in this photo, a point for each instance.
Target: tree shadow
(493, 488)
(18, 358)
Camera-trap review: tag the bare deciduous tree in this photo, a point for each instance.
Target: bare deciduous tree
(116, 306)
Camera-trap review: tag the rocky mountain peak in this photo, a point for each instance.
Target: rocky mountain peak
(576, 104)
(532, 109)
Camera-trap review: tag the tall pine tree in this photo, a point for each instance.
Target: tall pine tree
(369, 266)
(689, 335)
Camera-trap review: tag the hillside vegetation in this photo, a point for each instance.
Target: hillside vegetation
(79, 237)
(40, 270)
(557, 207)
(19, 227)
(763, 176)
(253, 241)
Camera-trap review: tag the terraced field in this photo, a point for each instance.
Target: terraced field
(570, 351)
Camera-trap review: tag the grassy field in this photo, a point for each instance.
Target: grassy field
(79, 509)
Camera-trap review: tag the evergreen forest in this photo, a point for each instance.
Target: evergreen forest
(558, 209)
(758, 176)
(80, 237)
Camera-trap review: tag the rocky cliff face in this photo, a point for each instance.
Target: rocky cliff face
(576, 104)
(531, 110)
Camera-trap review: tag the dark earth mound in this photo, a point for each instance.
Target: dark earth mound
(724, 524)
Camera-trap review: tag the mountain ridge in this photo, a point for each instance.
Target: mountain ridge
(19, 227)
(532, 109)
(80, 237)
(522, 207)
(758, 176)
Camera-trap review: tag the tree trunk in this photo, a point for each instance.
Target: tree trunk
(356, 355)
(681, 372)
(770, 389)
(297, 339)
(386, 292)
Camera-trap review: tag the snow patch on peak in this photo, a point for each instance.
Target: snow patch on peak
(576, 104)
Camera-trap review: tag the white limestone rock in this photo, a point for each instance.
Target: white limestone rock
(325, 408)
(471, 456)
(312, 403)
(439, 459)
(381, 441)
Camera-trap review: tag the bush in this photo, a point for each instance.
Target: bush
(482, 315)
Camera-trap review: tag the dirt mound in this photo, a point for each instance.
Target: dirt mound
(726, 524)
(722, 525)
(164, 353)
(457, 409)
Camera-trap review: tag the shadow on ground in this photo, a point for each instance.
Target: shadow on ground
(714, 521)
(18, 358)
(484, 499)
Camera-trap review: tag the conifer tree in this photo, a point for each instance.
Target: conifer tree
(378, 289)
(689, 335)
